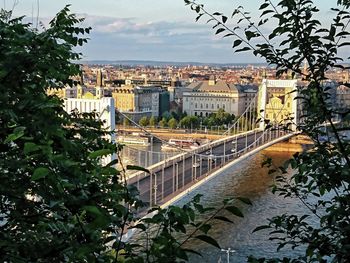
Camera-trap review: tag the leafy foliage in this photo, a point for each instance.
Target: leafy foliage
(172, 123)
(58, 201)
(160, 226)
(322, 173)
(153, 121)
(144, 121)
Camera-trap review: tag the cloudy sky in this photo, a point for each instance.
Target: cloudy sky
(161, 30)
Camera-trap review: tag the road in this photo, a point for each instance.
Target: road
(177, 176)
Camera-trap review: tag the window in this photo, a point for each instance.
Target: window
(201, 106)
(217, 106)
(212, 106)
(195, 105)
(223, 106)
(206, 106)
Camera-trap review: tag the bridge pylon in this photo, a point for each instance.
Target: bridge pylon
(277, 103)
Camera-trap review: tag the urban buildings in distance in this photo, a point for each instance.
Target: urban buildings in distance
(146, 91)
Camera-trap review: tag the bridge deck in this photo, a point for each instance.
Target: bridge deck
(170, 179)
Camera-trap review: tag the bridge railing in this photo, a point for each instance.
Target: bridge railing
(179, 179)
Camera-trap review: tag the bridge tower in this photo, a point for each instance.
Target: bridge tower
(277, 102)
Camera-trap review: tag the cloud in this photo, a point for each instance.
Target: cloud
(115, 38)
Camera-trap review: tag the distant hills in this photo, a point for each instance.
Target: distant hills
(164, 63)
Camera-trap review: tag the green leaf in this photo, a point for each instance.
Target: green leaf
(17, 133)
(205, 228)
(92, 209)
(234, 210)
(137, 168)
(208, 240)
(140, 226)
(219, 31)
(223, 218)
(236, 43)
(244, 200)
(263, 6)
(243, 49)
(229, 34)
(113, 162)
(261, 228)
(224, 19)
(271, 171)
(192, 251)
(249, 34)
(30, 147)
(39, 173)
(99, 153)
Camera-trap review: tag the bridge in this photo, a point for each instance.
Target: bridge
(258, 127)
(174, 175)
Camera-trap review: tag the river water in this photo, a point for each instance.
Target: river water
(248, 179)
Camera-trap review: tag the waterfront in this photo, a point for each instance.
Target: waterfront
(248, 179)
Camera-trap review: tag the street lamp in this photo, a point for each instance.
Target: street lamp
(228, 251)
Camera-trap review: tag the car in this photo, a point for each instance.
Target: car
(233, 150)
(196, 165)
(208, 152)
(212, 158)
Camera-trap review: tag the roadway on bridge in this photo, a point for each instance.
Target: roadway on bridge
(176, 176)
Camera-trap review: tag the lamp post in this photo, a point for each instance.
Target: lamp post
(228, 251)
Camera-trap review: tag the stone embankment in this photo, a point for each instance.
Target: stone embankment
(167, 134)
(298, 143)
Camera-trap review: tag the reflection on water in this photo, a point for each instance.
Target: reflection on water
(248, 179)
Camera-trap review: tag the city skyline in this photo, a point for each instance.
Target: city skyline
(153, 30)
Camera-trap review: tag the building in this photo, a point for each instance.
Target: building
(277, 103)
(78, 92)
(343, 98)
(139, 101)
(104, 107)
(206, 97)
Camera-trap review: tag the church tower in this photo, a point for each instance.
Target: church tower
(212, 81)
(99, 78)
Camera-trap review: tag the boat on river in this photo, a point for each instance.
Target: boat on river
(177, 144)
(142, 141)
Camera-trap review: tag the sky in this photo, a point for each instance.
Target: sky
(157, 30)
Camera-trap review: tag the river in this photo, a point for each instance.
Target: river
(248, 179)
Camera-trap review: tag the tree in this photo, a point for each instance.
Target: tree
(323, 173)
(54, 193)
(153, 121)
(166, 115)
(126, 121)
(163, 123)
(223, 117)
(143, 121)
(58, 201)
(189, 122)
(172, 123)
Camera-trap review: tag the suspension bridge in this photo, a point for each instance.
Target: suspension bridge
(171, 176)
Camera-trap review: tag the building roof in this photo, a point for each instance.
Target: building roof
(218, 86)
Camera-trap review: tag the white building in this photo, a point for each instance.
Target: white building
(343, 98)
(206, 97)
(105, 108)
